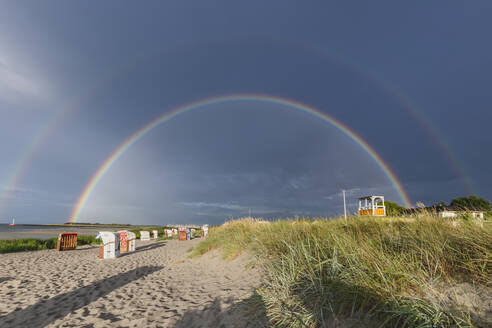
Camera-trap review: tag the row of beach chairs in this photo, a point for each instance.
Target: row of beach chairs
(115, 243)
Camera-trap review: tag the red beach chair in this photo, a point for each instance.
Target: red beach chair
(182, 233)
(66, 241)
(124, 243)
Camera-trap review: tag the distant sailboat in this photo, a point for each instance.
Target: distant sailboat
(13, 222)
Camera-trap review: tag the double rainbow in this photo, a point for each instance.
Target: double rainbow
(116, 154)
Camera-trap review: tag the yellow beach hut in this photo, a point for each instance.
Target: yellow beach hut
(372, 206)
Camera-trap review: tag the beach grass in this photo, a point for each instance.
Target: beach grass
(388, 272)
(33, 244)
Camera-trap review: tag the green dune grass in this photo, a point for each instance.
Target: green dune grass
(370, 271)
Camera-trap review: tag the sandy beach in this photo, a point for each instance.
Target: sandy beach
(156, 286)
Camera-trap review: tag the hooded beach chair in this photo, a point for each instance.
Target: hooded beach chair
(144, 235)
(132, 239)
(66, 241)
(110, 248)
(124, 246)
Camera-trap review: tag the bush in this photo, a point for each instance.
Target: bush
(87, 240)
(197, 233)
(31, 244)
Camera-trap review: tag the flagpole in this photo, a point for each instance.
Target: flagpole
(344, 205)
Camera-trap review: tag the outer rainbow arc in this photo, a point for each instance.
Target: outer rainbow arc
(19, 169)
(82, 200)
(414, 111)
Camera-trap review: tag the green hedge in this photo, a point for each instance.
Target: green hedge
(32, 244)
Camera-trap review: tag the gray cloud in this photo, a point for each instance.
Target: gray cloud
(114, 76)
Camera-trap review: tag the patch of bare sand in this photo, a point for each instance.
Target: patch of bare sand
(464, 298)
(156, 286)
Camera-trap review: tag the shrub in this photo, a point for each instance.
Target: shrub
(32, 244)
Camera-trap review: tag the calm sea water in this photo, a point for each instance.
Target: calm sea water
(41, 231)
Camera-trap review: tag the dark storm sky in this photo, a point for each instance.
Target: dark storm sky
(77, 78)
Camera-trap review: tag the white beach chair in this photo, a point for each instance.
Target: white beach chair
(132, 238)
(155, 233)
(110, 248)
(144, 235)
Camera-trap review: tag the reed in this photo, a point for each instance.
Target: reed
(384, 272)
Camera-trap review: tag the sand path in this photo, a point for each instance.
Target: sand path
(156, 286)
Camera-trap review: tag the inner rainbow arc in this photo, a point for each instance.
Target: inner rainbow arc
(118, 152)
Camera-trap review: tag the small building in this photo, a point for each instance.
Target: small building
(453, 212)
(372, 206)
(443, 211)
